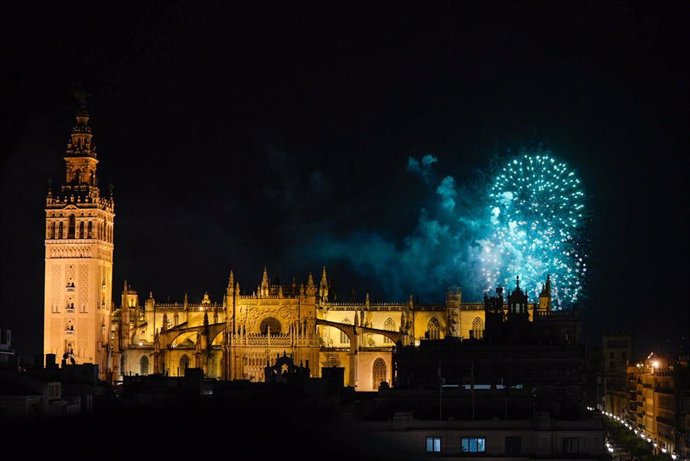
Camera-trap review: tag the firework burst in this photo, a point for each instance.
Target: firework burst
(536, 214)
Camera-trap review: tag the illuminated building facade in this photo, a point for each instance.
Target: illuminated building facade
(659, 403)
(236, 337)
(79, 257)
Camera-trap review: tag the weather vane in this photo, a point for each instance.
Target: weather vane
(81, 95)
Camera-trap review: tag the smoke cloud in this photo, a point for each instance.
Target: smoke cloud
(442, 250)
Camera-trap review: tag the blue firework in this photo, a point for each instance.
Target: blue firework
(536, 218)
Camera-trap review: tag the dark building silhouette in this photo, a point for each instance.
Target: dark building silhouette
(540, 363)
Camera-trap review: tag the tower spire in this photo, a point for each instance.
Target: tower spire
(263, 289)
(323, 286)
(311, 289)
(80, 153)
(545, 295)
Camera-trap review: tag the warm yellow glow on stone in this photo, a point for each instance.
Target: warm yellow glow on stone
(79, 258)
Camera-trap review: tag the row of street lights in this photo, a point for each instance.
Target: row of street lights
(637, 432)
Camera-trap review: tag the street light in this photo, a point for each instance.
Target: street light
(440, 398)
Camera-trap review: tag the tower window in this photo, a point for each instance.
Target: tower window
(81, 229)
(60, 227)
(90, 229)
(70, 229)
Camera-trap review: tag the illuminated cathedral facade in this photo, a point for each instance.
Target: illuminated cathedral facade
(233, 338)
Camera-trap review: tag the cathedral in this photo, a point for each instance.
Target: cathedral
(233, 338)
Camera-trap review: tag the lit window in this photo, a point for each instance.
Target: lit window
(473, 444)
(433, 444)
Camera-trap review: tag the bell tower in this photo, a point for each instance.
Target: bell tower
(79, 257)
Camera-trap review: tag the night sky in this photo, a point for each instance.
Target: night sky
(268, 134)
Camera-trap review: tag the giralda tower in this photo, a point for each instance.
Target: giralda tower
(79, 257)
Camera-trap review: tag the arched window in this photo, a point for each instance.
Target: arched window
(272, 323)
(184, 364)
(70, 228)
(52, 230)
(144, 365)
(81, 229)
(60, 227)
(77, 176)
(378, 372)
(122, 364)
(389, 325)
(90, 229)
(477, 330)
(433, 328)
(344, 339)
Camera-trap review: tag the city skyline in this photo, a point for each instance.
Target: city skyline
(240, 165)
